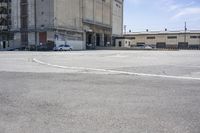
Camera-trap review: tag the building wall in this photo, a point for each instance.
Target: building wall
(150, 40)
(71, 20)
(117, 17)
(194, 41)
(15, 14)
(97, 11)
(161, 38)
(67, 14)
(190, 40)
(45, 14)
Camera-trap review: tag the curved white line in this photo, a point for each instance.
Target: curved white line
(116, 71)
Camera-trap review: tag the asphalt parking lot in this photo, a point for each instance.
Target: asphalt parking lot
(100, 92)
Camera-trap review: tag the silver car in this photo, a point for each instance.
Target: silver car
(63, 48)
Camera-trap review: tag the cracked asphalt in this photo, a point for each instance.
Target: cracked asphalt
(59, 98)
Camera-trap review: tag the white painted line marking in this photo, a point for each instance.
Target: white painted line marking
(116, 71)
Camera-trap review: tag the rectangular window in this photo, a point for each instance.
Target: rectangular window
(194, 37)
(151, 37)
(172, 37)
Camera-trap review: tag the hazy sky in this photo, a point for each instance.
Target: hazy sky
(140, 15)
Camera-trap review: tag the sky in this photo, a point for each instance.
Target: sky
(157, 15)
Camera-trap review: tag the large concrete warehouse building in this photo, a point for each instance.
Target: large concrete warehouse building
(5, 23)
(161, 39)
(80, 23)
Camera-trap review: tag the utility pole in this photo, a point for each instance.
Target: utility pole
(35, 15)
(185, 32)
(125, 28)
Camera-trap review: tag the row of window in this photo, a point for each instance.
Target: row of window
(194, 37)
(117, 5)
(160, 44)
(5, 1)
(169, 37)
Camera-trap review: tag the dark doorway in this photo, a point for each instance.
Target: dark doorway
(24, 38)
(89, 41)
(183, 45)
(105, 40)
(161, 45)
(98, 39)
(89, 38)
(120, 44)
(4, 44)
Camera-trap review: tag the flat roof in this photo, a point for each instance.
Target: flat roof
(161, 32)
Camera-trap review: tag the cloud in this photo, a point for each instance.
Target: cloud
(162, 13)
(190, 11)
(181, 9)
(174, 5)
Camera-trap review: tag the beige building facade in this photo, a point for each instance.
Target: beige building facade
(81, 23)
(165, 39)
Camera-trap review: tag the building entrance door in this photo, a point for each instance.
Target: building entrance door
(43, 37)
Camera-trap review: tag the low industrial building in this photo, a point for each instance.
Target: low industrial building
(162, 39)
(84, 24)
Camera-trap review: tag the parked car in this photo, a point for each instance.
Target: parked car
(148, 47)
(142, 46)
(42, 48)
(63, 48)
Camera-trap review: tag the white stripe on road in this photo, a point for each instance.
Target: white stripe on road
(115, 71)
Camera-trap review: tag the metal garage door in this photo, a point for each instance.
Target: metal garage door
(183, 45)
(194, 46)
(161, 45)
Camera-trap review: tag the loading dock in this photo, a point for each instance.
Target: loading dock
(172, 46)
(183, 45)
(161, 45)
(194, 46)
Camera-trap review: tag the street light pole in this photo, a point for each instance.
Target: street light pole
(35, 15)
